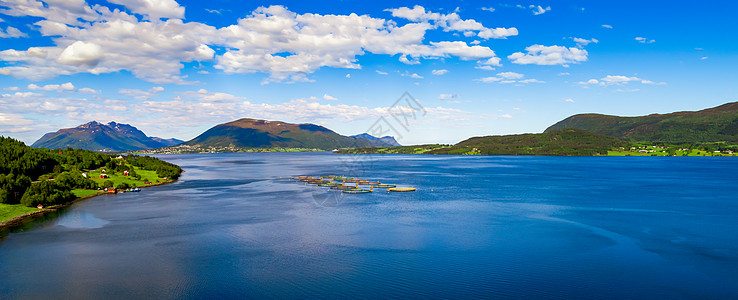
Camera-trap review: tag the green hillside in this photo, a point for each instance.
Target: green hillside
(718, 124)
(268, 134)
(40, 176)
(572, 142)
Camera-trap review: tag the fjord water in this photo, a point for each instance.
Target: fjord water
(518, 227)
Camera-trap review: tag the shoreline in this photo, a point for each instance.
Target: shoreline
(26, 218)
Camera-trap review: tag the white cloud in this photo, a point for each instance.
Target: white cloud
(497, 33)
(11, 32)
(439, 72)
(509, 77)
(704, 57)
(570, 100)
(486, 68)
(411, 75)
(535, 9)
(549, 55)
(584, 42)
(97, 40)
(153, 9)
(607, 26)
(381, 73)
(564, 74)
(452, 22)
(448, 96)
(489, 9)
(643, 40)
(81, 53)
(52, 87)
(348, 75)
(11, 88)
(88, 91)
(329, 97)
(141, 94)
(539, 10)
(618, 80)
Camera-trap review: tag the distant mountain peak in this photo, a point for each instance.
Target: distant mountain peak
(102, 137)
(255, 133)
(388, 140)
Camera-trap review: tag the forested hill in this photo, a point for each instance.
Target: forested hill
(33, 176)
(717, 124)
(566, 142)
(255, 133)
(555, 142)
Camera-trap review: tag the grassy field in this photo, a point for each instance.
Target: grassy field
(118, 178)
(84, 193)
(8, 211)
(666, 151)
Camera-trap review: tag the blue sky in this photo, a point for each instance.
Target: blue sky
(174, 69)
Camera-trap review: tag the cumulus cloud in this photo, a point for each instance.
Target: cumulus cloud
(329, 97)
(80, 52)
(549, 55)
(584, 42)
(439, 72)
(452, 22)
(570, 100)
(52, 87)
(489, 9)
(607, 26)
(11, 32)
(272, 40)
(618, 80)
(153, 9)
(381, 73)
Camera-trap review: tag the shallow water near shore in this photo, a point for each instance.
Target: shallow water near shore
(494, 226)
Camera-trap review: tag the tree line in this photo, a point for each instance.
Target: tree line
(58, 171)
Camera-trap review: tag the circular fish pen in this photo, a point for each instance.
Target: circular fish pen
(342, 187)
(357, 191)
(402, 189)
(329, 184)
(383, 185)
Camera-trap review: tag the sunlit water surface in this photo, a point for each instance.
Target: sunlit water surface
(517, 227)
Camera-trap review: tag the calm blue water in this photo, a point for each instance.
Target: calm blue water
(517, 227)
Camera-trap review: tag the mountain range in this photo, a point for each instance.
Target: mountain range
(102, 137)
(717, 124)
(240, 133)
